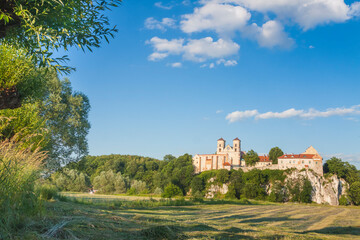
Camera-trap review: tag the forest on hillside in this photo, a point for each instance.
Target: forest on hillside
(126, 174)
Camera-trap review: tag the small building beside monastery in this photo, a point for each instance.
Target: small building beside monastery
(231, 157)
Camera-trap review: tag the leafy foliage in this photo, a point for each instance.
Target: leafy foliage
(251, 158)
(44, 26)
(110, 182)
(71, 180)
(342, 169)
(171, 190)
(274, 153)
(354, 193)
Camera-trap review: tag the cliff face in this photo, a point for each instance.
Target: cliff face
(324, 190)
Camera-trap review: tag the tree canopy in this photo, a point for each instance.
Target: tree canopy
(251, 158)
(40, 27)
(274, 154)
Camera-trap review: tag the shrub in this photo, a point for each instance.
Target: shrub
(158, 191)
(171, 190)
(197, 184)
(109, 182)
(71, 180)
(139, 186)
(343, 200)
(222, 176)
(46, 191)
(354, 193)
(305, 194)
(278, 193)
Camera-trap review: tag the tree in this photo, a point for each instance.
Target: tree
(342, 169)
(66, 114)
(354, 193)
(41, 27)
(251, 158)
(197, 185)
(274, 154)
(20, 80)
(171, 190)
(305, 194)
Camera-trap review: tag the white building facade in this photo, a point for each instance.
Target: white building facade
(230, 157)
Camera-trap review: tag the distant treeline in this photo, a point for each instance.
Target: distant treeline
(116, 174)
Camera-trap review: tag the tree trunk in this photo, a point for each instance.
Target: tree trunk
(9, 98)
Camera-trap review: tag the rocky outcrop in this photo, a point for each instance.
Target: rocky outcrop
(214, 189)
(325, 190)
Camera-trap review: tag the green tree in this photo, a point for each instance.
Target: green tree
(66, 114)
(306, 191)
(222, 176)
(274, 154)
(354, 193)
(197, 185)
(44, 26)
(171, 190)
(251, 158)
(342, 169)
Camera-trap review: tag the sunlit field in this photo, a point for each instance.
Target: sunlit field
(208, 220)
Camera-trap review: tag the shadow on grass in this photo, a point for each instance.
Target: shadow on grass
(337, 231)
(269, 220)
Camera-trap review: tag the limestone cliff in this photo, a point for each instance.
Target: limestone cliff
(325, 190)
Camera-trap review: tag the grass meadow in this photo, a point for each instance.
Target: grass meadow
(84, 216)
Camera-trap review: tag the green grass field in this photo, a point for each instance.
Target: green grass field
(211, 220)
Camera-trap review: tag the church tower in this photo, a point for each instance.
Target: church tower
(237, 145)
(220, 145)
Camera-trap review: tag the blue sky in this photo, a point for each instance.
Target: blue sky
(180, 75)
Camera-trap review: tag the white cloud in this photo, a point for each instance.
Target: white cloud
(227, 63)
(221, 18)
(198, 50)
(311, 47)
(219, 111)
(160, 5)
(206, 48)
(355, 9)
(157, 56)
(174, 46)
(285, 114)
(307, 13)
(211, 65)
(152, 23)
(290, 113)
(240, 115)
(176, 65)
(270, 34)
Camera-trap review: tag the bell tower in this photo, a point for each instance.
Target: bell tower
(237, 145)
(220, 145)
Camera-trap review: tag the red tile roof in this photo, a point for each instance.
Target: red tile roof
(237, 139)
(300, 156)
(264, 159)
(221, 139)
(227, 164)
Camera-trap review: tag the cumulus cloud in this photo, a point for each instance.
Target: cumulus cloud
(290, 113)
(306, 13)
(206, 48)
(198, 50)
(240, 115)
(151, 23)
(226, 18)
(221, 18)
(270, 34)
